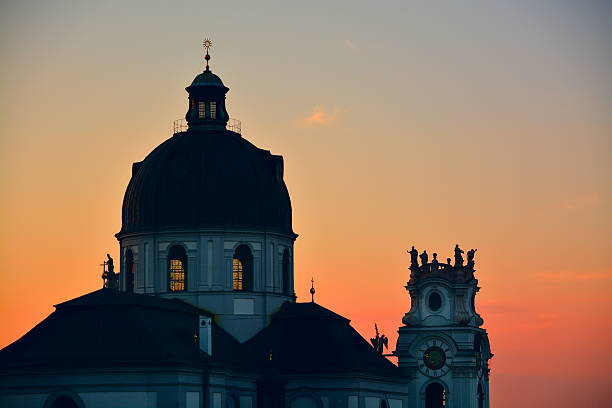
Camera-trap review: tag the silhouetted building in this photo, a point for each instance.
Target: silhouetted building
(206, 314)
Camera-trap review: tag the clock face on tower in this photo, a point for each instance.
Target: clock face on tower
(434, 358)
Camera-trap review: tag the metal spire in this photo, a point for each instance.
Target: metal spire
(312, 290)
(207, 44)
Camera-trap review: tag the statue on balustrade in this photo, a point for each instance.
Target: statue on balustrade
(470, 258)
(424, 258)
(414, 262)
(458, 257)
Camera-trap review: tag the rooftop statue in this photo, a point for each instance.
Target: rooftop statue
(414, 261)
(435, 259)
(379, 341)
(470, 258)
(458, 256)
(111, 265)
(110, 278)
(424, 258)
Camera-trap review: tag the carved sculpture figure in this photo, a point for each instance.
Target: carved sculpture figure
(424, 258)
(414, 255)
(110, 264)
(470, 258)
(379, 341)
(458, 256)
(110, 278)
(435, 259)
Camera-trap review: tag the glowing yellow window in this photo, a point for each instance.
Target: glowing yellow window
(177, 275)
(237, 275)
(213, 110)
(201, 110)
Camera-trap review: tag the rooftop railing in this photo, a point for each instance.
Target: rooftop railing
(180, 125)
(234, 125)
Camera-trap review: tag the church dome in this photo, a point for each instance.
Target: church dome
(207, 178)
(207, 78)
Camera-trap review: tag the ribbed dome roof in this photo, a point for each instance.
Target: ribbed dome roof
(207, 179)
(207, 78)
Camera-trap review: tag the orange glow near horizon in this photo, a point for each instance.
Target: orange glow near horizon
(405, 125)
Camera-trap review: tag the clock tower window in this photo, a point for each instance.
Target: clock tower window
(435, 397)
(435, 301)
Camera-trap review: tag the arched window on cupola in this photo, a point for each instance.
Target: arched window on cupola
(177, 268)
(129, 271)
(242, 269)
(286, 273)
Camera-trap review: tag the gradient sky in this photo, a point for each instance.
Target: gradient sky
(487, 124)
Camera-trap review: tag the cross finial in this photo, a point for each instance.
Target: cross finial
(312, 290)
(104, 273)
(207, 44)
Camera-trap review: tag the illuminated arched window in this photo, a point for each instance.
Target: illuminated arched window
(201, 110)
(213, 110)
(177, 268)
(129, 271)
(242, 268)
(286, 273)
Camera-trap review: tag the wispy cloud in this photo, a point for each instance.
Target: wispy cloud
(320, 116)
(582, 201)
(349, 44)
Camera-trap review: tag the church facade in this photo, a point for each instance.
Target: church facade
(203, 311)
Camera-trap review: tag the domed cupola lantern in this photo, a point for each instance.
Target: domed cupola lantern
(207, 99)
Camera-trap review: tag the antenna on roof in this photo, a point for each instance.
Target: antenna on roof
(312, 290)
(207, 44)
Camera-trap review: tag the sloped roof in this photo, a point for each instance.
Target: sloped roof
(111, 328)
(306, 338)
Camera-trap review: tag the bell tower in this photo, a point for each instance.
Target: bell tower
(441, 345)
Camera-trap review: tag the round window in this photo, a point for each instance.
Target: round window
(435, 301)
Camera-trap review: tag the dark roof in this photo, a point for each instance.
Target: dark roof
(305, 338)
(207, 179)
(207, 78)
(106, 297)
(110, 328)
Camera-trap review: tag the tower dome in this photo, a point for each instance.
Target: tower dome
(206, 218)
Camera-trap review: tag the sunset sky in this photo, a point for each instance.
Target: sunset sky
(487, 124)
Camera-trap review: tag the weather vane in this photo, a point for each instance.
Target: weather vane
(207, 44)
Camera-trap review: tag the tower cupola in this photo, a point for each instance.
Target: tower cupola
(207, 99)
